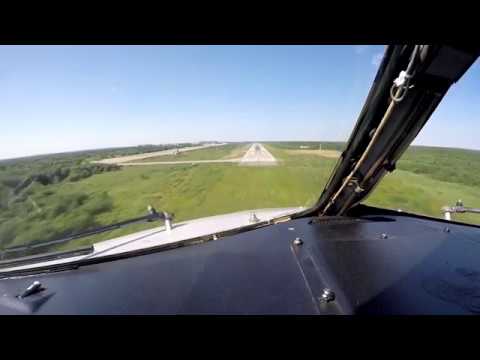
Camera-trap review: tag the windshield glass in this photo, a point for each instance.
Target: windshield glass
(93, 135)
(440, 169)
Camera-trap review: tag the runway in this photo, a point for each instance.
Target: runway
(256, 155)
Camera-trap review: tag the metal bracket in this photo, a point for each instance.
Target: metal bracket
(322, 296)
(354, 182)
(458, 208)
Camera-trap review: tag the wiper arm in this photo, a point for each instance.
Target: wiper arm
(153, 215)
(410, 83)
(458, 208)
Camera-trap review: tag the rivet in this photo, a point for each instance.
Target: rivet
(298, 241)
(327, 295)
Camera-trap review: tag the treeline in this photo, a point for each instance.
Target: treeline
(19, 182)
(459, 166)
(34, 206)
(16, 175)
(53, 217)
(83, 155)
(33, 209)
(313, 145)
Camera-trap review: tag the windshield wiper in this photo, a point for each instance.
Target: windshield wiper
(458, 208)
(410, 83)
(153, 215)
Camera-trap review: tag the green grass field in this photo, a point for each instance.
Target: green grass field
(426, 180)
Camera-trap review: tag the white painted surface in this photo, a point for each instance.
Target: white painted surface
(181, 231)
(255, 155)
(258, 154)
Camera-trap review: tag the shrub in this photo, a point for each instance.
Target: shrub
(98, 204)
(8, 232)
(11, 181)
(67, 203)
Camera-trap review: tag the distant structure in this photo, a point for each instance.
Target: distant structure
(176, 151)
(304, 147)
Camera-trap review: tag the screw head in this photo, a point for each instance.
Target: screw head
(327, 295)
(384, 236)
(298, 241)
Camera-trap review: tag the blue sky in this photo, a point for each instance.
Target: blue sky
(61, 98)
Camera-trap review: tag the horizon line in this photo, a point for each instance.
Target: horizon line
(203, 141)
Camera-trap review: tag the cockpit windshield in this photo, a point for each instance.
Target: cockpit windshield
(100, 135)
(438, 174)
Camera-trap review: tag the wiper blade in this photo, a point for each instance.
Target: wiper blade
(152, 216)
(391, 118)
